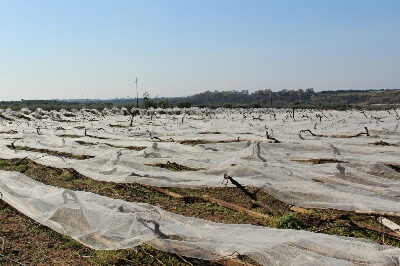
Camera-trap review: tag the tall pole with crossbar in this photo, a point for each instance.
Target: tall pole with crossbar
(137, 95)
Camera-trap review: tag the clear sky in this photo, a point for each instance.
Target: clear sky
(72, 48)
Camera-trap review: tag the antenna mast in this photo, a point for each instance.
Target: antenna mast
(137, 95)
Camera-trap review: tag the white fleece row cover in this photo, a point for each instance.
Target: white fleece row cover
(240, 142)
(104, 223)
(267, 148)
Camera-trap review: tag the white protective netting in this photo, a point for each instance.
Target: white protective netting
(362, 181)
(222, 141)
(105, 223)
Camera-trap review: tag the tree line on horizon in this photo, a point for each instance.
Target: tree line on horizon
(308, 98)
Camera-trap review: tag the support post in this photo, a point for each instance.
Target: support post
(137, 95)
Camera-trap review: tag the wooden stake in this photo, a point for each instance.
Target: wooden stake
(235, 207)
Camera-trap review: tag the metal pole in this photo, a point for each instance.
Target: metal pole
(137, 95)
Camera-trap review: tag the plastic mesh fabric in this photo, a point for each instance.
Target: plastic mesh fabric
(353, 173)
(104, 223)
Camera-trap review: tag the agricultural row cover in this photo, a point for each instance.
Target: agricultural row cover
(262, 147)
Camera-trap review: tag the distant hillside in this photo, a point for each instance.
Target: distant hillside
(361, 98)
(297, 98)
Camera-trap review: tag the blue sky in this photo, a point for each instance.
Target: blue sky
(96, 49)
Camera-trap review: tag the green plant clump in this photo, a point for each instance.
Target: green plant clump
(289, 221)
